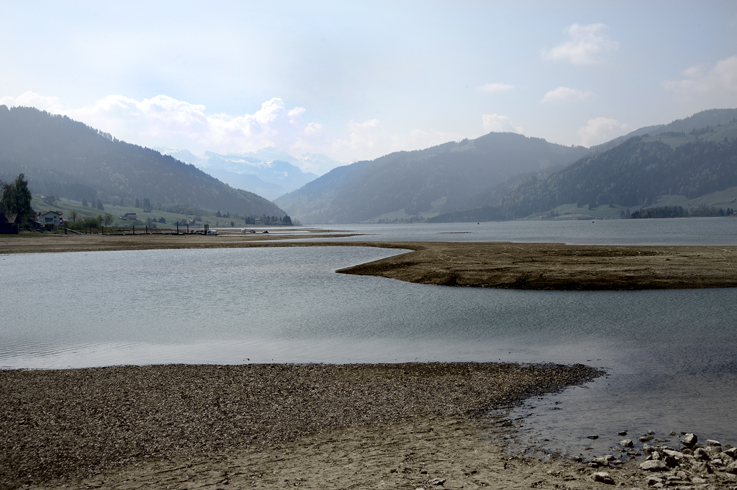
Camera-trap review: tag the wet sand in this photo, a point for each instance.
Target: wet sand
(472, 264)
(321, 426)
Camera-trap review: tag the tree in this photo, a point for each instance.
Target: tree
(74, 215)
(16, 198)
(138, 203)
(147, 205)
(107, 218)
(84, 202)
(99, 205)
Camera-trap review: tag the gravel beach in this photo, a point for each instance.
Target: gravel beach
(68, 425)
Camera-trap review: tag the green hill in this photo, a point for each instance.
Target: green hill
(68, 159)
(643, 171)
(405, 185)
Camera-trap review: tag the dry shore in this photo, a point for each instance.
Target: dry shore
(472, 264)
(558, 266)
(318, 426)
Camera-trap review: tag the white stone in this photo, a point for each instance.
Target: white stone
(654, 465)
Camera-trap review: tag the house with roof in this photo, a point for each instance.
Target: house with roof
(50, 218)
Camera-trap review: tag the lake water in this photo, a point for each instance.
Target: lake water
(671, 356)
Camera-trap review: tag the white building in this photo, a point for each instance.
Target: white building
(50, 218)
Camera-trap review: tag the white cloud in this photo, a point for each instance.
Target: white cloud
(601, 130)
(370, 140)
(566, 94)
(314, 128)
(498, 124)
(163, 121)
(495, 87)
(719, 80)
(585, 47)
(32, 99)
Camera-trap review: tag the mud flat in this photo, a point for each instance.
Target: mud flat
(268, 426)
(475, 264)
(559, 267)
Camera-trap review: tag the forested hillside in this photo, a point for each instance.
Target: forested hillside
(65, 158)
(633, 174)
(429, 181)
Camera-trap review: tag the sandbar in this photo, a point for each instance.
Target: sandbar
(536, 266)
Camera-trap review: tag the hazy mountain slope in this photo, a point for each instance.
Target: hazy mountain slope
(425, 181)
(635, 173)
(66, 158)
(703, 119)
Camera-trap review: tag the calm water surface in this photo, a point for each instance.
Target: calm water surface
(670, 355)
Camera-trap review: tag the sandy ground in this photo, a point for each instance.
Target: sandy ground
(557, 266)
(319, 426)
(474, 264)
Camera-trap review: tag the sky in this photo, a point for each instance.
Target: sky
(356, 80)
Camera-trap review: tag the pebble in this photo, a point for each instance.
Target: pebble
(680, 469)
(654, 465)
(689, 440)
(602, 477)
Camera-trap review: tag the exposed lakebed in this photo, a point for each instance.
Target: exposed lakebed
(669, 354)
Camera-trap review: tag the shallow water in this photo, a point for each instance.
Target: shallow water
(670, 355)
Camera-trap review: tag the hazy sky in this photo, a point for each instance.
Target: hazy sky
(356, 80)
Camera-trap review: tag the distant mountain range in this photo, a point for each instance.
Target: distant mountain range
(65, 158)
(509, 176)
(689, 158)
(428, 182)
(268, 172)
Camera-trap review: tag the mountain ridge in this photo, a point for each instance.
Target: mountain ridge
(67, 158)
(422, 181)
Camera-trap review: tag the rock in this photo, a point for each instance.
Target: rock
(604, 460)
(622, 433)
(712, 442)
(593, 437)
(701, 454)
(602, 477)
(731, 452)
(626, 443)
(647, 448)
(654, 465)
(437, 481)
(670, 461)
(689, 439)
(672, 453)
(653, 480)
(701, 468)
(731, 468)
(697, 480)
(645, 438)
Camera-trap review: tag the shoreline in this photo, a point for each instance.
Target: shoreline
(504, 265)
(62, 426)
(271, 426)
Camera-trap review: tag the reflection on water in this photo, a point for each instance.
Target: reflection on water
(670, 355)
